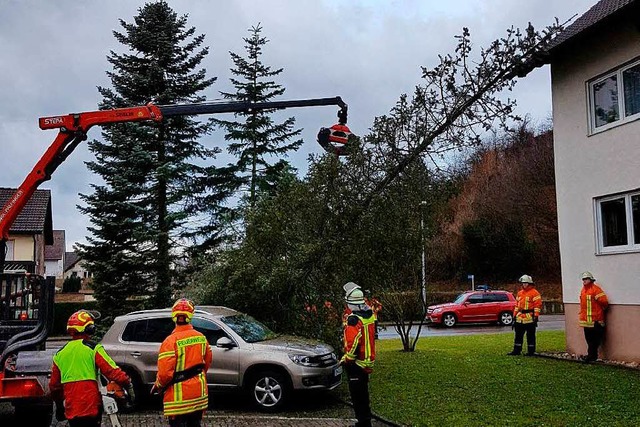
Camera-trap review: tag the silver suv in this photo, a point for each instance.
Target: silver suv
(246, 354)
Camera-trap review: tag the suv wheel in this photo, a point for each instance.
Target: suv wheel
(449, 320)
(506, 318)
(269, 390)
(140, 390)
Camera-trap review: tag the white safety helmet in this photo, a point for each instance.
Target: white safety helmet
(526, 279)
(355, 296)
(588, 275)
(349, 286)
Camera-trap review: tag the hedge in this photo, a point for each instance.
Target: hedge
(63, 310)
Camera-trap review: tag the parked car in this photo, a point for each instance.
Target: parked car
(475, 307)
(247, 355)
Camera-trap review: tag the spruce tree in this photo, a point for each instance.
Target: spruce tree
(258, 142)
(154, 174)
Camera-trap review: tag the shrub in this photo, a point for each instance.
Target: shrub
(71, 284)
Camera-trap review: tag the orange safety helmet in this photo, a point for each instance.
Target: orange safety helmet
(182, 307)
(81, 322)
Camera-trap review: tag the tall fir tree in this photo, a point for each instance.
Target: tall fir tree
(258, 142)
(154, 181)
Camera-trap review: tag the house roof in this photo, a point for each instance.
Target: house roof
(36, 216)
(70, 259)
(55, 251)
(599, 14)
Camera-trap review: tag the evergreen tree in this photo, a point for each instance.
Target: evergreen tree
(153, 176)
(257, 139)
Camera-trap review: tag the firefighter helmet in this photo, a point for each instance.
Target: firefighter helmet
(349, 286)
(588, 275)
(81, 322)
(526, 279)
(354, 296)
(182, 307)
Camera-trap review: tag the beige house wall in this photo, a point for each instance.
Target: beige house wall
(23, 248)
(589, 166)
(621, 333)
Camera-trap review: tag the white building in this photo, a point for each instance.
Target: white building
(595, 71)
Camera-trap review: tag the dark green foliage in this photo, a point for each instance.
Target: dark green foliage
(71, 284)
(497, 249)
(63, 310)
(153, 178)
(257, 141)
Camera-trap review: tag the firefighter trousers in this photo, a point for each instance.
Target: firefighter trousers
(359, 391)
(593, 336)
(530, 330)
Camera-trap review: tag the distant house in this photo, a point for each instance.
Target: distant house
(54, 255)
(30, 233)
(595, 73)
(75, 267)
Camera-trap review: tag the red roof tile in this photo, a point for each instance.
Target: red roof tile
(55, 251)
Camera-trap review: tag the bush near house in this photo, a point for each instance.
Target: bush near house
(71, 284)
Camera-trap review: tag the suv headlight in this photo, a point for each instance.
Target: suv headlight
(304, 360)
(436, 310)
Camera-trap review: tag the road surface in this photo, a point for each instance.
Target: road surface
(549, 322)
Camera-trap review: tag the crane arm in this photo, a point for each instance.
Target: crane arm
(73, 128)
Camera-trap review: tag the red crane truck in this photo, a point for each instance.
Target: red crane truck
(25, 363)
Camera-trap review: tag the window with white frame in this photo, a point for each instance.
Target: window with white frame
(615, 98)
(618, 221)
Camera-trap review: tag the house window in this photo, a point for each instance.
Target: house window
(615, 98)
(10, 250)
(618, 220)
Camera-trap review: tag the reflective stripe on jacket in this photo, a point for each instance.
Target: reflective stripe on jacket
(528, 305)
(359, 340)
(593, 303)
(74, 377)
(184, 349)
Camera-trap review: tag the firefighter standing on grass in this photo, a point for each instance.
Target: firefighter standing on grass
(74, 374)
(183, 361)
(359, 351)
(525, 316)
(593, 305)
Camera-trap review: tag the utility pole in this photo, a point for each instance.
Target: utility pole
(423, 204)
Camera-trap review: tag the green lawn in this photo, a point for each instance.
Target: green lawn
(469, 381)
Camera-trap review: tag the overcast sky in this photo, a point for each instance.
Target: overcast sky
(53, 56)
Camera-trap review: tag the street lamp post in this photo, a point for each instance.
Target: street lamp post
(424, 262)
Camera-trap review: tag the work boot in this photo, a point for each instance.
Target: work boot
(513, 353)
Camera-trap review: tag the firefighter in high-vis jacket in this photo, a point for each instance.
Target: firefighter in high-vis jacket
(74, 374)
(593, 305)
(359, 351)
(525, 316)
(183, 361)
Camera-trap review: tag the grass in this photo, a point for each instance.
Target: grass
(469, 381)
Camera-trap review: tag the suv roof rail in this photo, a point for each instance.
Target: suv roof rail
(160, 310)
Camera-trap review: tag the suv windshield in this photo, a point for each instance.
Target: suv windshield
(249, 328)
(460, 298)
